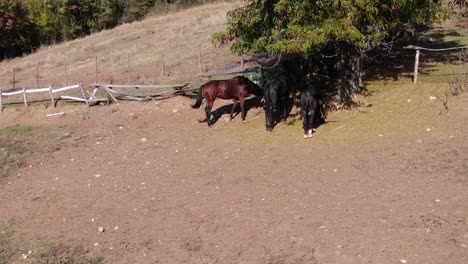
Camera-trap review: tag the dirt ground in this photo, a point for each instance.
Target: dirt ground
(383, 183)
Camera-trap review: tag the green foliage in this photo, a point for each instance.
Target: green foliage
(219, 38)
(111, 12)
(136, 9)
(46, 17)
(345, 28)
(80, 17)
(302, 25)
(18, 33)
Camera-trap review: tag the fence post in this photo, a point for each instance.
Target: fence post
(1, 104)
(242, 62)
(129, 68)
(416, 65)
(66, 69)
(24, 98)
(51, 96)
(37, 75)
(83, 94)
(14, 78)
(162, 65)
(200, 60)
(96, 71)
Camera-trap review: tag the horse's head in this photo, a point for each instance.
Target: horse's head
(255, 89)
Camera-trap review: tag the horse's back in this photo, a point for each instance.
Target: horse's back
(232, 89)
(235, 88)
(309, 97)
(277, 88)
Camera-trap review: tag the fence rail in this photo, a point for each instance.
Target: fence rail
(418, 51)
(50, 90)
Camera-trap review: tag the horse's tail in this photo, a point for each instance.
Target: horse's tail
(199, 101)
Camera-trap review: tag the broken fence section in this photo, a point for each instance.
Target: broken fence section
(117, 92)
(114, 93)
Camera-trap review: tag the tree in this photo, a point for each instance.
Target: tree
(45, 14)
(347, 27)
(111, 13)
(80, 17)
(18, 33)
(137, 9)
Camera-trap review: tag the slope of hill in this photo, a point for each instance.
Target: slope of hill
(131, 53)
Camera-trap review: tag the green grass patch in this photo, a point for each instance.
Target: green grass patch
(8, 162)
(52, 253)
(11, 148)
(18, 130)
(6, 248)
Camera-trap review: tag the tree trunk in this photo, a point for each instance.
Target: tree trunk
(348, 71)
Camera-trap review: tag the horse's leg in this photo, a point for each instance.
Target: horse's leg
(311, 115)
(285, 109)
(305, 120)
(241, 101)
(268, 121)
(209, 105)
(233, 108)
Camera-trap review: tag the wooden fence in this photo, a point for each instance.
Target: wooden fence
(139, 92)
(418, 52)
(51, 91)
(113, 92)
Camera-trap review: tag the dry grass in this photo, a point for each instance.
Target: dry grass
(132, 52)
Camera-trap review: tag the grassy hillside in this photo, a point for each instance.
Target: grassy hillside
(131, 53)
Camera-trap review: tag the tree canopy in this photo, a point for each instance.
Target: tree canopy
(348, 27)
(294, 26)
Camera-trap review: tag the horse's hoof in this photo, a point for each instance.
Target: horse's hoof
(314, 130)
(243, 121)
(305, 135)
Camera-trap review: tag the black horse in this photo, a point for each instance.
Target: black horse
(276, 95)
(313, 112)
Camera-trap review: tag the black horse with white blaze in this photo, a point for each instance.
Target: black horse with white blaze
(313, 113)
(276, 95)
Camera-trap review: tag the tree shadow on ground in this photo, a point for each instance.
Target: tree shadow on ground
(398, 63)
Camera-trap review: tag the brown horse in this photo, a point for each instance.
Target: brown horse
(237, 88)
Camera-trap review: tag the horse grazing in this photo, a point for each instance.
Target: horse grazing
(237, 88)
(313, 113)
(276, 96)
